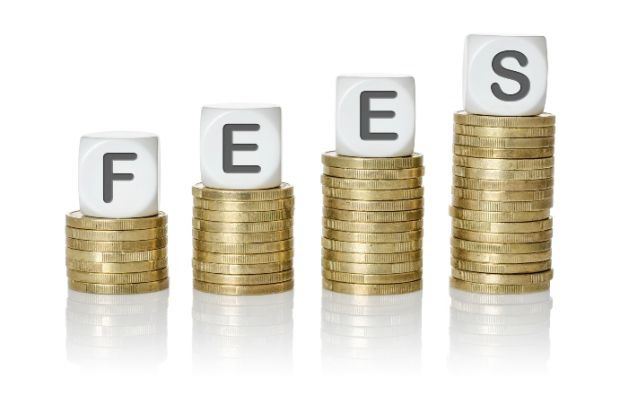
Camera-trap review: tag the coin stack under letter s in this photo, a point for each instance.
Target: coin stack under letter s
(243, 212)
(372, 190)
(116, 243)
(503, 169)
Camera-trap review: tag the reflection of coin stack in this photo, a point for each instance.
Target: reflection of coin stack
(243, 240)
(502, 195)
(496, 331)
(372, 224)
(241, 332)
(380, 331)
(116, 256)
(127, 328)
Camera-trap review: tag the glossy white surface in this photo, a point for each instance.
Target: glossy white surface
(118, 175)
(76, 67)
(241, 146)
(505, 75)
(375, 115)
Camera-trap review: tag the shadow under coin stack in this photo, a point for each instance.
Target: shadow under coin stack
(502, 196)
(243, 240)
(117, 255)
(372, 224)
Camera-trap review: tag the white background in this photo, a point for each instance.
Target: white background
(70, 68)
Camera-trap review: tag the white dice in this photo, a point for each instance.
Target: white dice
(240, 146)
(505, 75)
(375, 115)
(119, 174)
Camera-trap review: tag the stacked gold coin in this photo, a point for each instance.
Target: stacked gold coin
(502, 196)
(117, 256)
(372, 224)
(243, 240)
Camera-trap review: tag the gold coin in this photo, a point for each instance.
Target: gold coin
(243, 227)
(78, 220)
(503, 227)
(97, 256)
(351, 278)
(504, 143)
(283, 191)
(240, 237)
(241, 269)
(333, 160)
(243, 248)
(502, 175)
(387, 258)
(528, 132)
(502, 206)
(372, 237)
(352, 205)
(494, 185)
(120, 278)
(465, 118)
(501, 258)
(370, 184)
(244, 216)
(407, 173)
(243, 289)
(118, 246)
(500, 248)
(503, 196)
(372, 289)
(137, 235)
(503, 164)
(243, 206)
(382, 227)
(265, 258)
(485, 216)
(519, 268)
(524, 153)
(373, 216)
(253, 279)
(503, 279)
(371, 247)
(116, 267)
(372, 268)
(489, 237)
(497, 288)
(139, 288)
(373, 195)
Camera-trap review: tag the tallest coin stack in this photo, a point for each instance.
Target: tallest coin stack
(502, 195)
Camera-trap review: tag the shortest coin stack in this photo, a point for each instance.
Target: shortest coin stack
(117, 255)
(372, 224)
(502, 196)
(243, 240)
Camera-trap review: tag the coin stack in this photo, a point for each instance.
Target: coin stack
(502, 196)
(117, 255)
(372, 224)
(243, 240)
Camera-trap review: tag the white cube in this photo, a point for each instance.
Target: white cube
(375, 115)
(505, 75)
(119, 174)
(240, 146)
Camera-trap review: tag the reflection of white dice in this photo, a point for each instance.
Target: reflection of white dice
(375, 115)
(505, 75)
(119, 174)
(240, 146)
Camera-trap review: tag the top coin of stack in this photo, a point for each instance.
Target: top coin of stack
(502, 195)
(372, 224)
(117, 255)
(243, 240)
